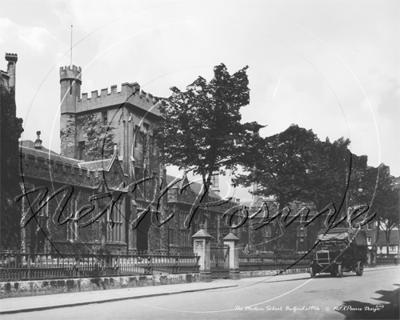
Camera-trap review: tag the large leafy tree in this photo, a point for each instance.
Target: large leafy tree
(201, 129)
(11, 129)
(327, 172)
(336, 176)
(281, 166)
(280, 169)
(295, 165)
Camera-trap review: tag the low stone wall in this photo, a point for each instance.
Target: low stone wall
(43, 287)
(264, 273)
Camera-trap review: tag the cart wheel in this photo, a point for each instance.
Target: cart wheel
(339, 272)
(359, 268)
(312, 273)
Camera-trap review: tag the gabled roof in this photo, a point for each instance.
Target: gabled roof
(31, 145)
(194, 186)
(104, 164)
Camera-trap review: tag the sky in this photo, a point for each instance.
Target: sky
(329, 66)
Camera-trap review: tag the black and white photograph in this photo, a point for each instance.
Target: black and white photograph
(200, 159)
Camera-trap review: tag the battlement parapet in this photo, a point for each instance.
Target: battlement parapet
(56, 170)
(65, 171)
(130, 93)
(71, 72)
(13, 57)
(94, 94)
(53, 167)
(104, 92)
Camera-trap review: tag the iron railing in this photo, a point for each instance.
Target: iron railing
(17, 266)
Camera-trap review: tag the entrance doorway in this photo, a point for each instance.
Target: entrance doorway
(219, 262)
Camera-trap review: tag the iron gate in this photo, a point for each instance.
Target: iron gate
(219, 262)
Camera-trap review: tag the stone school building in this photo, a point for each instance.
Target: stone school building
(85, 200)
(88, 199)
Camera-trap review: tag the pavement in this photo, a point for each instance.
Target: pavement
(46, 302)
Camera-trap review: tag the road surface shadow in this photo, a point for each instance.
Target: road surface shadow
(321, 276)
(386, 308)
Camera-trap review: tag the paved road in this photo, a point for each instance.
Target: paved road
(372, 296)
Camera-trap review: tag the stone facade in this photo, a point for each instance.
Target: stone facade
(61, 208)
(67, 186)
(180, 202)
(72, 220)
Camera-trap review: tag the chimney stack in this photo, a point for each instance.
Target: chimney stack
(38, 142)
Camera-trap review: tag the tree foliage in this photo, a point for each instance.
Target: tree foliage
(328, 172)
(11, 129)
(201, 129)
(295, 165)
(383, 190)
(281, 165)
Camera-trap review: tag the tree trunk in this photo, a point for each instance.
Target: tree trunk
(387, 234)
(398, 244)
(378, 227)
(103, 233)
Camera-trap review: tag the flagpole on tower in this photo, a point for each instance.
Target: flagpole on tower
(71, 45)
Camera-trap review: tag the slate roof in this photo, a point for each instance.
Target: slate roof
(96, 165)
(31, 145)
(194, 186)
(49, 156)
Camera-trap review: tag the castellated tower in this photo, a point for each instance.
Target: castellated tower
(70, 81)
(8, 78)
(12, 59)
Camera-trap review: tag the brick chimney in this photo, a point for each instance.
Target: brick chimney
(38, 142)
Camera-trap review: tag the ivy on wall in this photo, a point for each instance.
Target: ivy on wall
(10, 211)
(98, 137)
